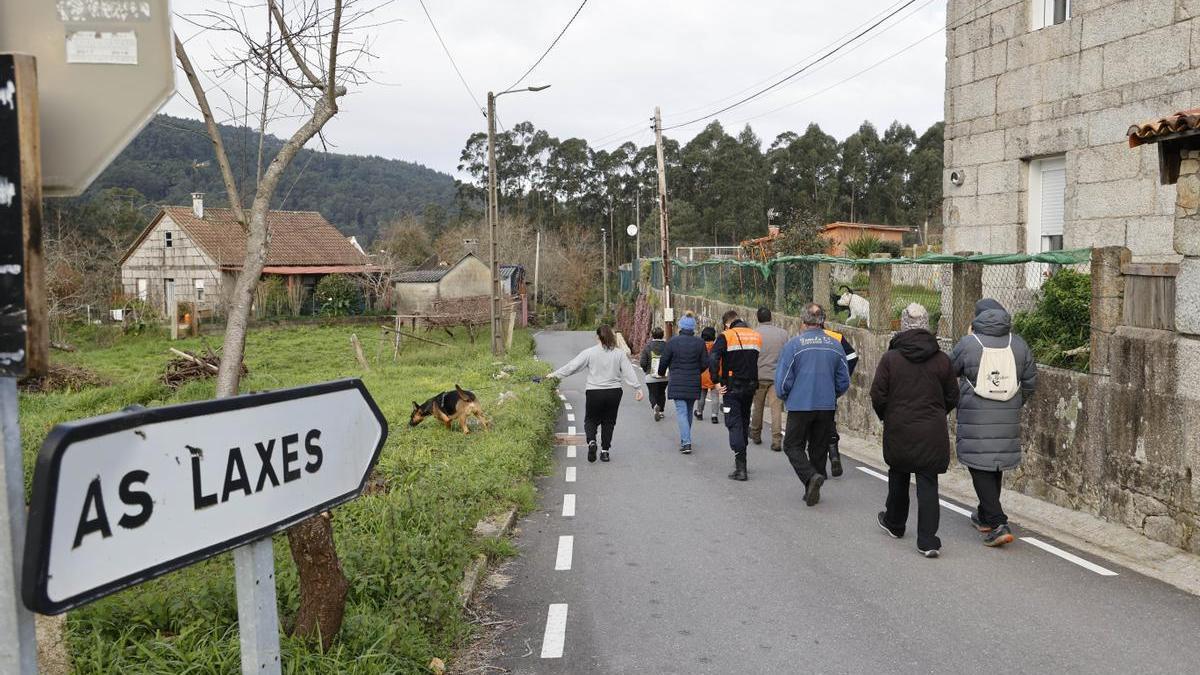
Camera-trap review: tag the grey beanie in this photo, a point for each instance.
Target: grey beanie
(914, 317)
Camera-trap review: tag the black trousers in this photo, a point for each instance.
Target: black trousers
(806, 442)
(929, 512)
(987, 488)
(600, 410)
(739, 399)
(657, 393)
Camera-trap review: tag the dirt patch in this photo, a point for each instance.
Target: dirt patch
(52, 655)
(62, 378)
(485, 648)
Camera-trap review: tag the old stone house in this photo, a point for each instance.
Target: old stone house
(417, 290)
(196, 253)
(1039, 95)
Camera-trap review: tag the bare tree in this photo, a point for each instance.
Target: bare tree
(311, 49)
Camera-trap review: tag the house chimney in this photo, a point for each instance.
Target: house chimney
(773, 230)
(470, 246)
(198, 204)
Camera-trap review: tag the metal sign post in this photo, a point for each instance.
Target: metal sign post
(124, 498)
(18, 168)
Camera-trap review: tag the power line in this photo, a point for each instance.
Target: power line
(450, 56)
(543, 56)
(796, 73)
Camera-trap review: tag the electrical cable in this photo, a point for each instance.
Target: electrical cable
(555, 42)
(461, 77)
(794, 74)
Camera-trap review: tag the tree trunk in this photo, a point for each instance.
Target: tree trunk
(323, 585)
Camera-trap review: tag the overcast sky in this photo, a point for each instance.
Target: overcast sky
(617, 61)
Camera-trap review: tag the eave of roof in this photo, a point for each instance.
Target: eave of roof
(1185, 122)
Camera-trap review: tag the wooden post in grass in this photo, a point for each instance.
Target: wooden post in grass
(358, 353)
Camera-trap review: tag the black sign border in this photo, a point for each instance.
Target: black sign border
(35, 571)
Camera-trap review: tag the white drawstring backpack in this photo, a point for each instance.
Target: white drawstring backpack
(997, 376)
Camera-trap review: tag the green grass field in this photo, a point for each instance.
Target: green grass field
(403, 548)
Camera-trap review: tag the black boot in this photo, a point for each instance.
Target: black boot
(739, 467)
(835, 457)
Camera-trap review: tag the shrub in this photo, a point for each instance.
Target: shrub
(1061, 322)
(863, 246)
(338, 295)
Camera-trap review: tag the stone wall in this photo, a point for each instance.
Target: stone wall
(1015, 94)
(183, 261)
(1123, 446)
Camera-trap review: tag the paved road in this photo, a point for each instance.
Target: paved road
(675, 569)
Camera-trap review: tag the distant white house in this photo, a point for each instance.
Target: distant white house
(196, 253)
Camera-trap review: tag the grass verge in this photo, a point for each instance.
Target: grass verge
(403, 547)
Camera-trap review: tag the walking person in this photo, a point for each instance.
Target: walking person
(811, 375)
(656, 385)
(709, 336)
(773, 339)
(914, 389)
(683, 360)
(834, 453)
(733, 366)
(607, 367)
(997, 376)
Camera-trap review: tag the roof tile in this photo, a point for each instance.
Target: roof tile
(298, 238)
(1151, 131)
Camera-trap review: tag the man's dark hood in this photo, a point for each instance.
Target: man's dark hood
(991, 319)
(915, 345)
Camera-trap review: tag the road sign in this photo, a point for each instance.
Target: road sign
(104, 69)
(123, 498)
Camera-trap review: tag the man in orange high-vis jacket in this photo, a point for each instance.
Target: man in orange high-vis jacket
(734, 368)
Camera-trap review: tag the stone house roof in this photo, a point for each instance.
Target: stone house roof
(298, 239)
(430, 276)
(1152, 131)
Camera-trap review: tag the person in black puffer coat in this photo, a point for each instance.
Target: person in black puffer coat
(682, 361)
(913, 391)
(989, 431)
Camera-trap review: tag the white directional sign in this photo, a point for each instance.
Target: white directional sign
(127, 497)
(104, 69)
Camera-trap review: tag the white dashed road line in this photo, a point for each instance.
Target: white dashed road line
(571, 430)
(570, 452)
(568, 506)
(872, 472)
(566, 550)
(570, 417)
(1070, 557)
(570, 474)
(955, 508)
(556, 632)
(568, 406)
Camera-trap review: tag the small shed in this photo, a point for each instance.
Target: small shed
(417, 290)
(842, 233)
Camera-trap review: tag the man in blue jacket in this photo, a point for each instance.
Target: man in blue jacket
(811, 375)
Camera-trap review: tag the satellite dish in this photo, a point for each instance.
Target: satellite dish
(632, 230)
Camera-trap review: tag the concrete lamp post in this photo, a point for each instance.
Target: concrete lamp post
(494, 214)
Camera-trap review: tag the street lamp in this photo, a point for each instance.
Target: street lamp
(494, 214)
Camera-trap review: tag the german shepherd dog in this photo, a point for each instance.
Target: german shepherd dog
(449, 407)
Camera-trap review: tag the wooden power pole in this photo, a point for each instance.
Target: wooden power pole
(664, 223)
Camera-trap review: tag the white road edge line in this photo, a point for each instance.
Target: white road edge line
(556, 632)
(1070, 557)
(570, 452)
(570, 474)
(953, 507)
(566, 547)
(568, 506)
(570, 417)
(571, 430)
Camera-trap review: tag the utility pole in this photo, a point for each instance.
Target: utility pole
(604, 272)
(493, 217)
(537, 265)
(637, 242)
(663, 223)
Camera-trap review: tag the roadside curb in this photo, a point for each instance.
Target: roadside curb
(1082, 531)
(493, 527)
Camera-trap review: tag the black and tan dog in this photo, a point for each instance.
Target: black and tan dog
(449, 407)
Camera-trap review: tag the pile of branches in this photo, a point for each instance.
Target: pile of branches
(62, 378)
(187, 366)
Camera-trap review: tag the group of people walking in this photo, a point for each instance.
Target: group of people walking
(988, 378)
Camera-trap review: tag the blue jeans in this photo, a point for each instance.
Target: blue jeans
(683, 414)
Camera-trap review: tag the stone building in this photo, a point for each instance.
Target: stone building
(196, 254)
(417, 290)
(1039, 95)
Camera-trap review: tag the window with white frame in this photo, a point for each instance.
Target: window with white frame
(1048, 13)
(1046, 209)
(143, 289)
(199, 290)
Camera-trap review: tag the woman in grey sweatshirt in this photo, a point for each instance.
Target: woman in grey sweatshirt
(607, 367)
